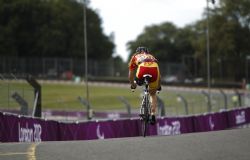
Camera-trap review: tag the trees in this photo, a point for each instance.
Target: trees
(230, 29)
(50, 28)
(229, 40)
(166, 41)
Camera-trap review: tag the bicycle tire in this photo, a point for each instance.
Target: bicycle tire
(144, 127)
(146, 109)
(145, 119)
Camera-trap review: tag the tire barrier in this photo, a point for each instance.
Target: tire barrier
(16, 128)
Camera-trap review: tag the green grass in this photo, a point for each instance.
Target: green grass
(55, 96)
(102, 98)
(8, 88)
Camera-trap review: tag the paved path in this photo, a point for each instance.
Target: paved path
(219, 145)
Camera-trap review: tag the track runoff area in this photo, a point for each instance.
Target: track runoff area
(222, 145)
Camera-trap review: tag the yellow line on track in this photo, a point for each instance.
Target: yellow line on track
(12, 153)
(31, 152)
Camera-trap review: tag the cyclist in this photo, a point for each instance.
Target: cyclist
(142, 62)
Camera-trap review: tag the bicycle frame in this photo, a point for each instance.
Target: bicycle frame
(145, 106)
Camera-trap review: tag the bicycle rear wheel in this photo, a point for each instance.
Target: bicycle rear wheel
(145, 118)
(144, 127)
(146, 111)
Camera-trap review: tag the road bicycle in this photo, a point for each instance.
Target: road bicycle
(145, 109)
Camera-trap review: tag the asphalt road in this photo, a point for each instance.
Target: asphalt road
(221, 145)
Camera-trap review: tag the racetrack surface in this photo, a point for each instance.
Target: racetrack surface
(222, 145)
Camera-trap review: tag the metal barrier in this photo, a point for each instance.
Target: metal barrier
(11, 85)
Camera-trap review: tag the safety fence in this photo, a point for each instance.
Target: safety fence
(67, 68)
(16, 128)
(69, 116)
(72, 115)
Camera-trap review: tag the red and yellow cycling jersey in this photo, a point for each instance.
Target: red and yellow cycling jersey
(137, 59)
(146, 64)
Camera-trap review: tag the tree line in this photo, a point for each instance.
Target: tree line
(229, 32)
(54, 28)
(51, 28)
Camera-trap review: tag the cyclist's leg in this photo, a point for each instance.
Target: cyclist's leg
(158, 78)
(153, 106)
(153, 86)
(153, 99)
(152, 91)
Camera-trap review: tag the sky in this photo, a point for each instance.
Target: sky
(127, 18)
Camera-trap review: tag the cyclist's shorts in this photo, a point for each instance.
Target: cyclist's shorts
(151, 68)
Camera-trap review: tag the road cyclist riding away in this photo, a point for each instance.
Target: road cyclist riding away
(144, 63)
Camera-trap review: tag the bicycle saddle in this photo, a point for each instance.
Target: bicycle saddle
(147, 76)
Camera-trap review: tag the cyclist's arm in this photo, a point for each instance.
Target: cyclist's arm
(132, 67)
(131, 76)
(131, 79)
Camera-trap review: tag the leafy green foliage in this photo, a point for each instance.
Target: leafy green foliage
(50, 28)
(229, 32)
(166, 41)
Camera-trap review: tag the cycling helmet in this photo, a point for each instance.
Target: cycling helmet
(142, 49)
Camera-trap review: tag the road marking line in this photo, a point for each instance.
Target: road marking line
(31, 154)
(12, 153)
